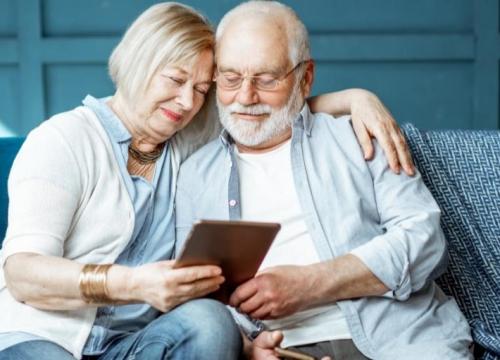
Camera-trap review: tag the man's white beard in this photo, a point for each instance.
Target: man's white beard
(255, 132)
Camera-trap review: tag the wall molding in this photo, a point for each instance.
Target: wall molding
(31, 52)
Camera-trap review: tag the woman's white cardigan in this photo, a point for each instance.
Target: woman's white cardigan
(67, 199)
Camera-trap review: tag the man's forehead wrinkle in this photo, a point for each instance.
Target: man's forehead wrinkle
(267, 42)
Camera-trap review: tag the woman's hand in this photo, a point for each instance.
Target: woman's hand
(370, 119)
(51, 283)
(164, 287)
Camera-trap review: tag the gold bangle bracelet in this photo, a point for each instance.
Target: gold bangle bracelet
(93, 283)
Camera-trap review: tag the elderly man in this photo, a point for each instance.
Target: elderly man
(351, 273)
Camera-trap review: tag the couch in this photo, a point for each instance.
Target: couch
(462, 170)
(8, 150)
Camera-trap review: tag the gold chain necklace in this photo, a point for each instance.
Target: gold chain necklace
(145, 157)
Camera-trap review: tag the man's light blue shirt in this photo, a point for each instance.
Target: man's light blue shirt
(389, 221)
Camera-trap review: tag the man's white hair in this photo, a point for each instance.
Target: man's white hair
(298, 40)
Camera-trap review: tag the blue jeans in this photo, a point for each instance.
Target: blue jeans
(198, 329)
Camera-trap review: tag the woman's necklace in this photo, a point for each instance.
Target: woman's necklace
(144, 170)
(145, 157)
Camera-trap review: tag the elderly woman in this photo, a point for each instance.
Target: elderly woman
(86, 269)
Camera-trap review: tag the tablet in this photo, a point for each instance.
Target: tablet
(238, 247)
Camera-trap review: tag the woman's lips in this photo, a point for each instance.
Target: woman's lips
(172, 115)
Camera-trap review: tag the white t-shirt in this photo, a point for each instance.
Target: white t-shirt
(268, 193)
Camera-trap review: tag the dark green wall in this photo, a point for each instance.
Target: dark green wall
(433, 62)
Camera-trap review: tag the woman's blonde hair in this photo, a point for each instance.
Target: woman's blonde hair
(166, 33)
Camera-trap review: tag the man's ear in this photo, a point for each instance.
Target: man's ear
(308, 78)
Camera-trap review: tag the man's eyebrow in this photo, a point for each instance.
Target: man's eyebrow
(226, 69)
(275, 72)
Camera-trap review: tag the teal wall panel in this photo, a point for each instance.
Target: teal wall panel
(421, 91)
(387, 15)
(63, 94)
(435, 63)
(9, 88)
(90, 17)
(7, 18)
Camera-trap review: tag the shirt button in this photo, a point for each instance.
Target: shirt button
(232, 203)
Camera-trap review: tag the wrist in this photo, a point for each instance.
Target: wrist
(358, 96)
(92, 283)
(323, 282)
(310, 285)
(345, 100)
(121, 284)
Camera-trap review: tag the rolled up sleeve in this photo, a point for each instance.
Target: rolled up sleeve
(412, 249)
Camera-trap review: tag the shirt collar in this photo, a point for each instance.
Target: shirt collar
(304, 119)
(113, 125)
(225, 138)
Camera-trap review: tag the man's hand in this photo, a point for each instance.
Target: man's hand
(283, 290)
(262, 348)
(275, 292)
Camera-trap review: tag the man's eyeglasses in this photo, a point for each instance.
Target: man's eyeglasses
(229, 80)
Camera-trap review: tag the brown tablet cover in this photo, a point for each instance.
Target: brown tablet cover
(238, 247)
